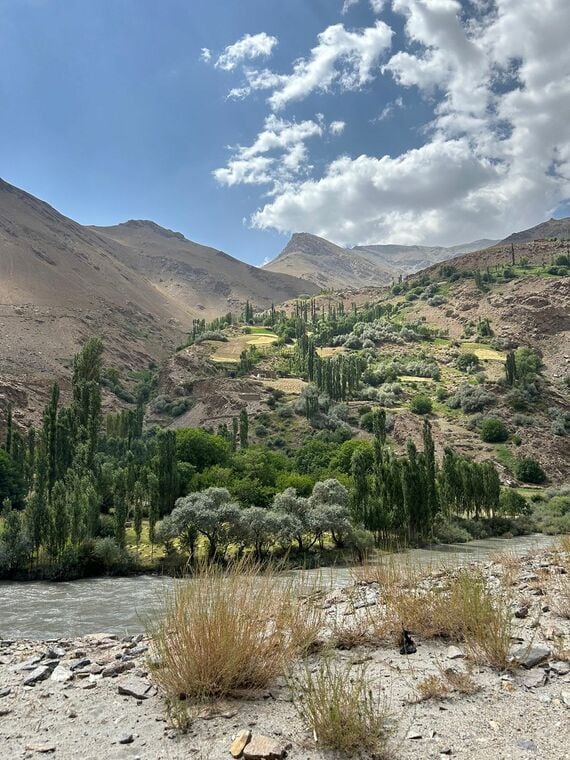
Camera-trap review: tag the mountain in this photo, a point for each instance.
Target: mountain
(553, 228)
(190, 275)
(330, 266)
(136, 285)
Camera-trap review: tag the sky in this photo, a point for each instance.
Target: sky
(238, 122)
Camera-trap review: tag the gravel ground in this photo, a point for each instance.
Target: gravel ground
(93, 697)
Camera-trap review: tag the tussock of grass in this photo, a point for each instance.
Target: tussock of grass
(229, 630)
(340, 708)
(462, 609)
(444, 684)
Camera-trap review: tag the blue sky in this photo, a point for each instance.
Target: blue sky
(397, 121)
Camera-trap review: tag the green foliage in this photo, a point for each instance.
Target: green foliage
(201, 449)
(494, 430)
(421, 404)
(528, 470)
(467, 362)
(511, 503)
(11, 481)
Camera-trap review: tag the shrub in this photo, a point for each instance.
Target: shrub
(513, 504)
(229, 630)
(493, 430)
(421, 404)
(471, 398)
(467, 362)
(337, 704)
(529, 471)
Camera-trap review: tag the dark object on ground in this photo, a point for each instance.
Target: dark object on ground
(407, 645)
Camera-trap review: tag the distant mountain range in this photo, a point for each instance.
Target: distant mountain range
(330, 266)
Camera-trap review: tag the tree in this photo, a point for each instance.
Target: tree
(14, 544)
(59, 520)
(121, 508)
(494, 430)
(243, 429)
(213, 513)
(11, 483)
(200, 448)
(360, 465)
(329, 510)
(529, 471)
(510, 368)
(296, 507)
(138, 499)
(513, 504)
(166, 471)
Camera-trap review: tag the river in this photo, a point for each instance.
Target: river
(42, 610)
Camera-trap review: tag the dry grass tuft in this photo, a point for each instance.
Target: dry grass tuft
(338, 705)
(444, 684)
(462, 609)
(353, 632)
(227, 631)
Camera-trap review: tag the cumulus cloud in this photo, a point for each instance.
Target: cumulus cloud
(497, 154)
(277, 155)
(247, 48)
(377, 5)
(341, 57)
(347, 5)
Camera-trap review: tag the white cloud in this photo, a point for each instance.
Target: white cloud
(347, 59)
(206, 55)
(277, 155)
(247, 48)
(337, 127)
(377, 5)
(347, 5)
(389, 109)
(497, 155)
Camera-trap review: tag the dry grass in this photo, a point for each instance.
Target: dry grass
(338, 705)
(348, 633)
(462, 609)
(564, 544)
(229, 631)
(443, 684)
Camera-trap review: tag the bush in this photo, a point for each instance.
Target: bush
(448, 532)
(467, 362)
(421, 404)
(337, 704)
(528, 470)
(227, 631)
(513, 504)
(471, 398)
(493, 430)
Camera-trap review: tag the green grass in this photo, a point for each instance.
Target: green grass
(505, 455)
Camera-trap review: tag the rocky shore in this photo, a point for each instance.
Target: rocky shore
(93, 697)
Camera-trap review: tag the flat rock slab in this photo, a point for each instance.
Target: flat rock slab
(263, 748)
(136, 687)
(239, 743)
(116, 668)
(61, 674)
(454, 653)
(38, 674)
(42, 748)
(530, 657)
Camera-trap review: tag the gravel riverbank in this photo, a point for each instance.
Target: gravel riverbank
(92, 697)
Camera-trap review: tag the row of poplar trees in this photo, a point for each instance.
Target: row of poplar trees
(72, 472)
(401, 497)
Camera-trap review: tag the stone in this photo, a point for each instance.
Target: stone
(55, 653)
(530, 657)
(126, 739)
(559, 668)
(44, 748)
(79, 664)
(527, 744)
(29, 664)
(565, 697)
(61, 674)
(262, 747)
(89, 685)
(95, 669)
(535, 679)
(414, 733)
(522, 611)
(135, 687)
(454, 653)
(239, 743)
(116, 668)
(38, 674)
(5, 692)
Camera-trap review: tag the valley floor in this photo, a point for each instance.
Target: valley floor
(93, 698)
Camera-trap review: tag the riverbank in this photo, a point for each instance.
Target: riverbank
(93, 696)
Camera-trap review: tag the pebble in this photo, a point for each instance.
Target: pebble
(126, 739)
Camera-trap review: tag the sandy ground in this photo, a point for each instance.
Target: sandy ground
(521, 714)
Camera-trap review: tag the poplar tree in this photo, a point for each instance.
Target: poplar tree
(243, 429)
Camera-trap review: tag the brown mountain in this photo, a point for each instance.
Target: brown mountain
(553, 228)
(330, 266)
(136, 285)
(190, 275)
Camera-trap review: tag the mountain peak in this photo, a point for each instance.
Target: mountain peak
(147, 224)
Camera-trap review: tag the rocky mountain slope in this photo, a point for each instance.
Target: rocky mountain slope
(136, 285)
(330, 266)
(553, 228)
